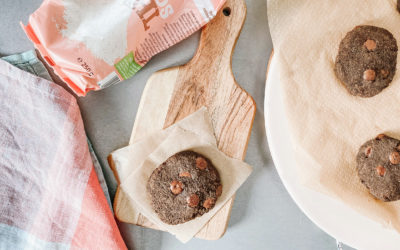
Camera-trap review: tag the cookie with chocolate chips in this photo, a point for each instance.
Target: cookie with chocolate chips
(378, 167)
(366, 62)
(185, 186)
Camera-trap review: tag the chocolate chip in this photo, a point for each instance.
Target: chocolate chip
(380, 137)
(370, 45)
(185, 174)
(369, 75)
(209, 203)
(394, 158)
(381, 170)
(193, 200)
(368, 151)
(176, 187)
(218, 192)
(384, 73)
(201, 163)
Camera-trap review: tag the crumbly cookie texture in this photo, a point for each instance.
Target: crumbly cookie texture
(185, 186)
(366, 62)
(378, 167)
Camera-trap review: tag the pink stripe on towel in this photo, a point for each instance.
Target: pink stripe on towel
(48, 186)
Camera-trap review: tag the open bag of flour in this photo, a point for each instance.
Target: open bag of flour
(93, 44)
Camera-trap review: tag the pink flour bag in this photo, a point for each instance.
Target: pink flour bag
(93, 44)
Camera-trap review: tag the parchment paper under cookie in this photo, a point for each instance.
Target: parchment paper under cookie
(195, 133)
(233, 173)
(327, 124)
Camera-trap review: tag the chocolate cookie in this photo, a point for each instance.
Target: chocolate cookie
(185, 186)
(366, 62)
(378, 166)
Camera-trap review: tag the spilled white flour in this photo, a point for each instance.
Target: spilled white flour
(102, 25)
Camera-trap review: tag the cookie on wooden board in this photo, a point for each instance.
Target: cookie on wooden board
(185, 186)
(378, 167)
(366, 62)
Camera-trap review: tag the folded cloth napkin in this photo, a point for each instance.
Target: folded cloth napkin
(50, 195)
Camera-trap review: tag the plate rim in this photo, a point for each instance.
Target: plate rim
(276, 160)
(290, 188)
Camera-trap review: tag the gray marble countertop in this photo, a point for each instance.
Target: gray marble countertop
(263, 215)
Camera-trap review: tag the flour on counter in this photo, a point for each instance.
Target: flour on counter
(102, 25)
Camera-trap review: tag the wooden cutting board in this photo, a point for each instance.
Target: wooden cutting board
(207, 80)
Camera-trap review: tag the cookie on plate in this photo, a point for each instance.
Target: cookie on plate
(185, 186)
(366, 62)
(378, 166)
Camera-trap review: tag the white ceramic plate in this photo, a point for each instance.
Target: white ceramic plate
(332, 216)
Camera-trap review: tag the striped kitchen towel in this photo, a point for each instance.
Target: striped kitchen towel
(50, 194)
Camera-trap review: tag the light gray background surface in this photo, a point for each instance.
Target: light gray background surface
(263, 215)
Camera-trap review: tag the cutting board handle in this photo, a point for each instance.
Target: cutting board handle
(219, 36)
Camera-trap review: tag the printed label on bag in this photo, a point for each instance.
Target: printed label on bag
(127, 66)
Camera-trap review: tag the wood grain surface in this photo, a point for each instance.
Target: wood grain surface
(207, 80)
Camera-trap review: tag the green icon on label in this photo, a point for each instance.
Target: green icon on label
(127, 67)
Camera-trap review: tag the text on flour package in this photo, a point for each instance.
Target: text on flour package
(93, 44)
